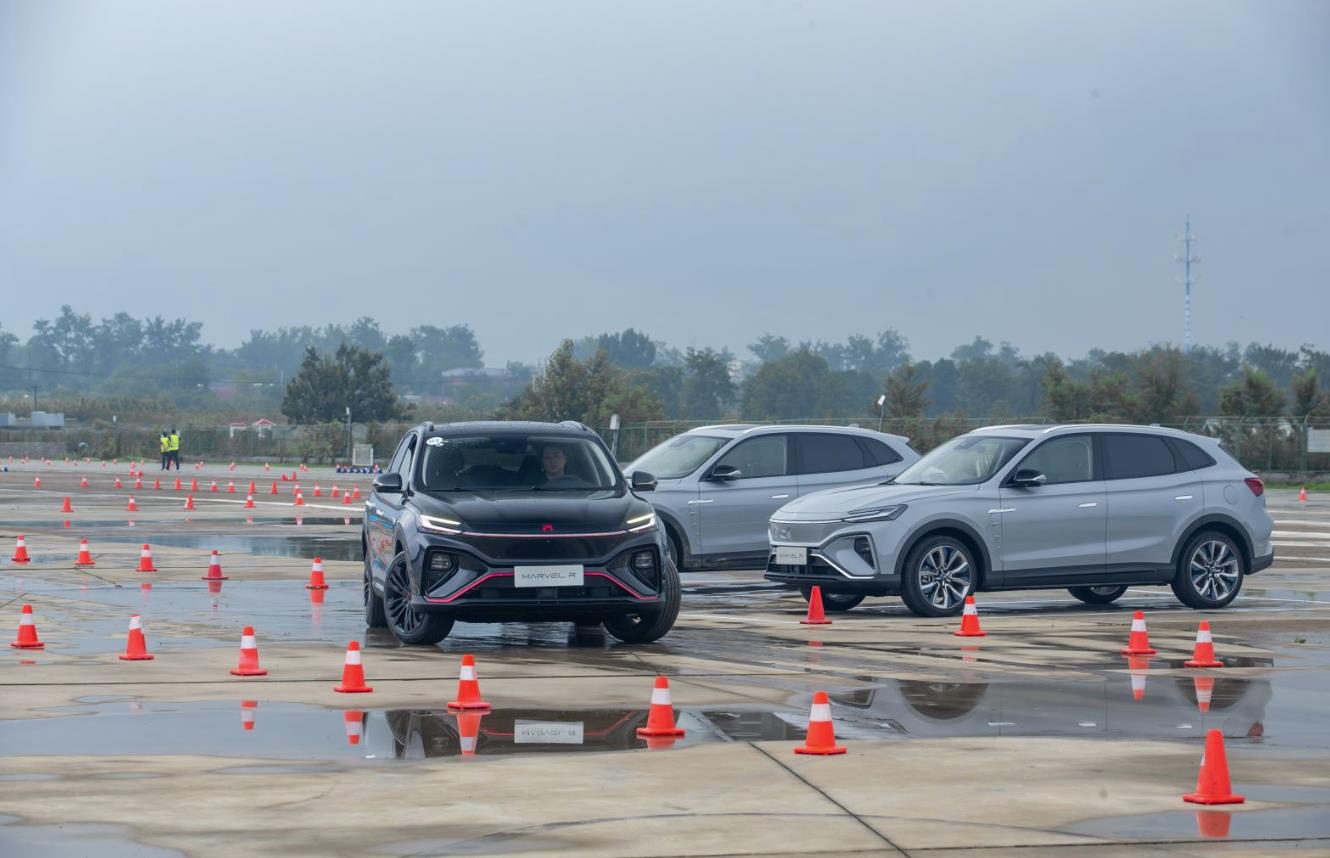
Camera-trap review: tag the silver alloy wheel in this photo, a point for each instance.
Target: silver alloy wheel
(945, 578)
(397, 599)
(1214, 570)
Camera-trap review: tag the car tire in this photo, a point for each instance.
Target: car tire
(947, 560)
(646, 628)
(375, 618)
(834, 603)
(674, 548)
(1210, 571)
(409, 626)
(1099, 595)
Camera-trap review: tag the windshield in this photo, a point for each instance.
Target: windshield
(962, 461)
(515, 463)
(679, 456)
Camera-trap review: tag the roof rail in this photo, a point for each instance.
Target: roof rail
(573, 424)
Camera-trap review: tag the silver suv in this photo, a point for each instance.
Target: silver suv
(1094, 509)
(718, 485)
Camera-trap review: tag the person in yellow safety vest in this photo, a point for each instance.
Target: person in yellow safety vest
(165, 442)
(173, 447)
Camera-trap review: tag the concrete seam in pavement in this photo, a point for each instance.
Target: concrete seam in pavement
(857, 818)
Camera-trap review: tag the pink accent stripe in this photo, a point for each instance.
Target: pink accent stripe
(545, 535)
(483, 578)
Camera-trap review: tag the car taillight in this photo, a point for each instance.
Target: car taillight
(1257, 487)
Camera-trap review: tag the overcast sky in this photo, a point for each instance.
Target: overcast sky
(703, 171)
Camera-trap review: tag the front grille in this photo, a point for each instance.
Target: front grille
(556, 594)
(502, 548)
(795, 533)
(816, 568)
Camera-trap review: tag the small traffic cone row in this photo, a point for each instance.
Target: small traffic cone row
(468, 687)
(249, 655)
(355, 725)
(970, 621)
(20, 551)
(316, 581)
(1204, 653)
(136, 647)
(1212, 783)
(353, 672)
(27, 631)
(816, 615)
(660, 718)
(85, 556)
(1139, 641)
(248, 709)
(189, 503)
(1204, 686)
(132, 506)
(821, 738)
(145, 559)
(214, 568)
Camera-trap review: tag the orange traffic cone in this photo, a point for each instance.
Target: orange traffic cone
(145, 560)
(468, 731)
(138, 484)
(249, 501)
(189, 503)
(36, 482)
(1204, 686)
(1212, 784)
(316, 581)
(816, 615)
(346, 500)
(317, 492)
(118, 484)
(157, 484)
(353, 672)
(214, 568)
(355, 725)
(27, 631)
(83, 483)
(1139, 641)
(300, 499)
(136, 648)
(194, 484)
(336, 492)
(274, 488)
(1138, 667)
(85, 556)
(355, 493)
(213, 487)
(230, 487)
(67, 507)
(20, 551)
(970, 621)
(248, 708)
(468, 687)
(1204, 653)
(1302, 495)
(249, 655)
(660, 718)
(284, 478)
(177, 484)
(1213, 823)
(821, 739)
(132, 506)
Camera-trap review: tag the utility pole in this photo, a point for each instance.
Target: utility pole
(1188, 260)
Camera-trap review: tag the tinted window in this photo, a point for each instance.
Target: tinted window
(1063, 460)
(821, 453)
(1129, 456)
(878, 453)
(679, 456)
(408, 456)
(515, 463)
(396, 462)
(767, 456)
(1189, 456)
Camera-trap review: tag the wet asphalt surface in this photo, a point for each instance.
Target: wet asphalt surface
(738, 644)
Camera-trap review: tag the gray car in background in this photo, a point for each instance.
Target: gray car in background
(717, 486)
(1094, 509)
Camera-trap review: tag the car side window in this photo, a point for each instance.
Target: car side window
(396, 462)
(878, 453)
(765, 456)
(1069, 459)
(408, 457)
(1189, 456)
(1128, 457)
(824, 453)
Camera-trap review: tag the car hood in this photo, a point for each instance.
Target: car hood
(529, 512)
(839, 502)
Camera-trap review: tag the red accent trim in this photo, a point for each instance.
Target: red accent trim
(544, 535)
(488, 575)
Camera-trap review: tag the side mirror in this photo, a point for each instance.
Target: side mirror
(388, 484)
(725, 473)
(643, 482)
(1028, 478)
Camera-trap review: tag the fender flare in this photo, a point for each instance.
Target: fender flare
(930, 527)
(1229, 523)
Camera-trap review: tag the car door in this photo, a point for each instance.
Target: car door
(1148, 501)
(825, 460)
(733, 513)
(1055, 531)
(385, 509)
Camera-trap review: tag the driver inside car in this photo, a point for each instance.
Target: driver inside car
(553, 461)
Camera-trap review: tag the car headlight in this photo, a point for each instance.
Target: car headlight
(878, 513)
(435, 524)
(641, 523)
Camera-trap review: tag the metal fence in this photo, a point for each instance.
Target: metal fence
(1263, 444)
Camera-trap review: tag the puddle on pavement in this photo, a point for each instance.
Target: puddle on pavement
(344, 546)
(74, 841)
(1213, 823)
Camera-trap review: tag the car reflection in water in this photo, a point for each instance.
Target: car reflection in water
(418, 734)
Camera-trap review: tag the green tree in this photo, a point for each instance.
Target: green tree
(797, 385)
(324, 387)
(1308, 398)
(586, 391)
(1254, 395)
(769, 347)
(708, 390)
(905, 392)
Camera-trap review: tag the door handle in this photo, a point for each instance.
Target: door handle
(696, 502)
(1183, 497)
(779, 497)
(1089, 505)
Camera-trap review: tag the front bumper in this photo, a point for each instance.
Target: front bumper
(846, 563)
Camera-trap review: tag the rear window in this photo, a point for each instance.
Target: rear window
(1128, 457)
(825, 453)
(878, 453)
(1189, 456)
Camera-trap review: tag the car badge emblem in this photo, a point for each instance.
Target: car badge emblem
(547, 528)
